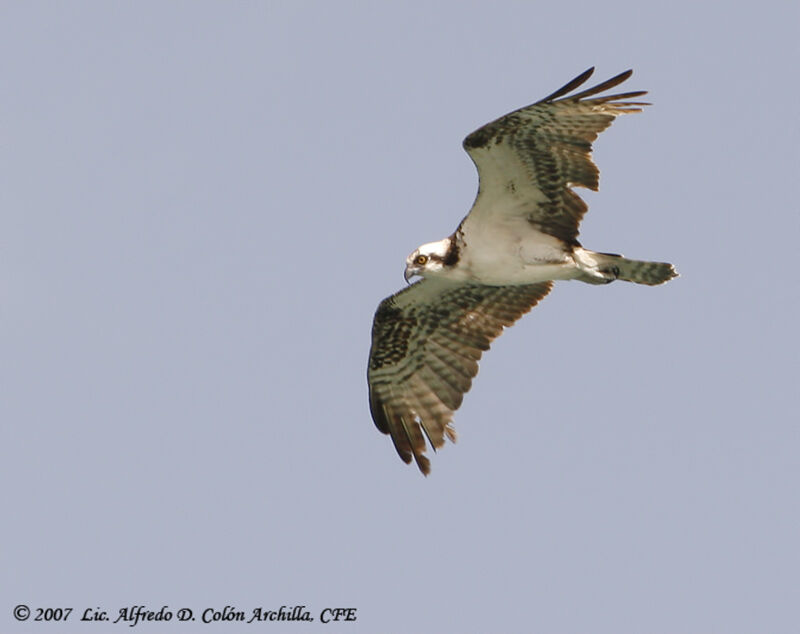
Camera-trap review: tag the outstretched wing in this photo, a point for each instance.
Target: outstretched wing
(426, 343)
(529, 159)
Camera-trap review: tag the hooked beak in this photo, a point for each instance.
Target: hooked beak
(411, 271)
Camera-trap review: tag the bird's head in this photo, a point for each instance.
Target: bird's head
(429, 259)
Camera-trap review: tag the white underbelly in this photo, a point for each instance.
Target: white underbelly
(527, 274)
(512, 269)
(524, 261)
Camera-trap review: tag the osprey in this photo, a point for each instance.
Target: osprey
(519, 236)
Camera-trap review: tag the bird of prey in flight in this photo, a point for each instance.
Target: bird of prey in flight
(520, 235)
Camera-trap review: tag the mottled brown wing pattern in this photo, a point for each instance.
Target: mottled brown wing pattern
(426, 343)
(528, 160)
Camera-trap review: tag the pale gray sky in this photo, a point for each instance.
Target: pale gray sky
(203, 204)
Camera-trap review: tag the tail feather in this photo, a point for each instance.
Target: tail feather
(601, 268)
(638, 271)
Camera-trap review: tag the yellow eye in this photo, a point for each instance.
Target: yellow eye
(421, 260)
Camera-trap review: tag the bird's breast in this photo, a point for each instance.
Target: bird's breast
(518, 258)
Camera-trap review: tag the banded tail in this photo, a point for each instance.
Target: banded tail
(609, 266)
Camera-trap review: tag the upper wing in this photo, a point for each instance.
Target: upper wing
(528, 160)
(426, 343)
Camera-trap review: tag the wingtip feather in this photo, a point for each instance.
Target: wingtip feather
(569, 86)
(423, 463)
(602, 86)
